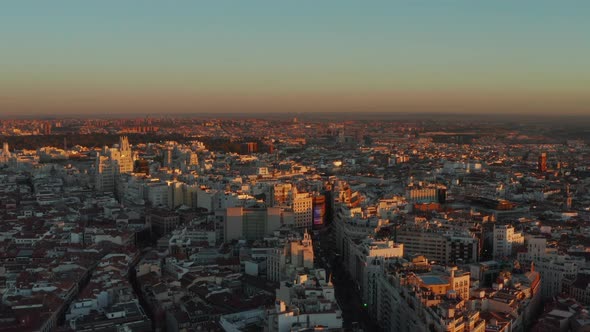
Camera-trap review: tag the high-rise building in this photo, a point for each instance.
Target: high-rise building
(249, 147)
(542, 163)
(5, 156)
(47, 128)
(125, 157)
(303, 210)
(105, 174)
(5, 150)
(111, 163)
(167, 162)
(175, 194)
(192, 159)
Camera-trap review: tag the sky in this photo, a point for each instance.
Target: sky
(147, 56)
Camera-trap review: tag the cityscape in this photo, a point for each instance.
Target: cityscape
(295, 166)
(293, 224)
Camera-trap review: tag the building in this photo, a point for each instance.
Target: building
(542, 163)
(47, 128)
(426, 194)
(301, 252)
(176, 194)
(5, 150)
(157, 194)
(193, 235)
(365, 261)
(536, 249)
(578, 287)
(248, 223)
(500, 210)
(506, 241)
(282, 194)
(513, 301)
(6, 157)
(307, 301)
(443, 247)
(303, 210)
(161, 221)
(105, 174)
(251, 320)
(295, 254)
(124, 316)
(121, 157)
(414, 296)
(111, 163)
(485, 273)
(249, 147)
(557, 270)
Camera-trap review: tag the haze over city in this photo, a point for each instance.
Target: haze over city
(112, 57)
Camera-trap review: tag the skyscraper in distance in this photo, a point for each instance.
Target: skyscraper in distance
(542, 164)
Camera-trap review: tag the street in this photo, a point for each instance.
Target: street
(354, 315)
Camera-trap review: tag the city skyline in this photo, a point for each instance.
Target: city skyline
(276, 224)
(448, 57)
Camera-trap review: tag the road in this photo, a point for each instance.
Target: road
(354, 314)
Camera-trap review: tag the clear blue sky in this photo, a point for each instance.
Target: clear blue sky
(199, 56)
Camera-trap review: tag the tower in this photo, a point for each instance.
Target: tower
(5, 155)
(124, 146)
(568, 198)
(124, 158)
(47, 128)
(168, 157)
(542, 163)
